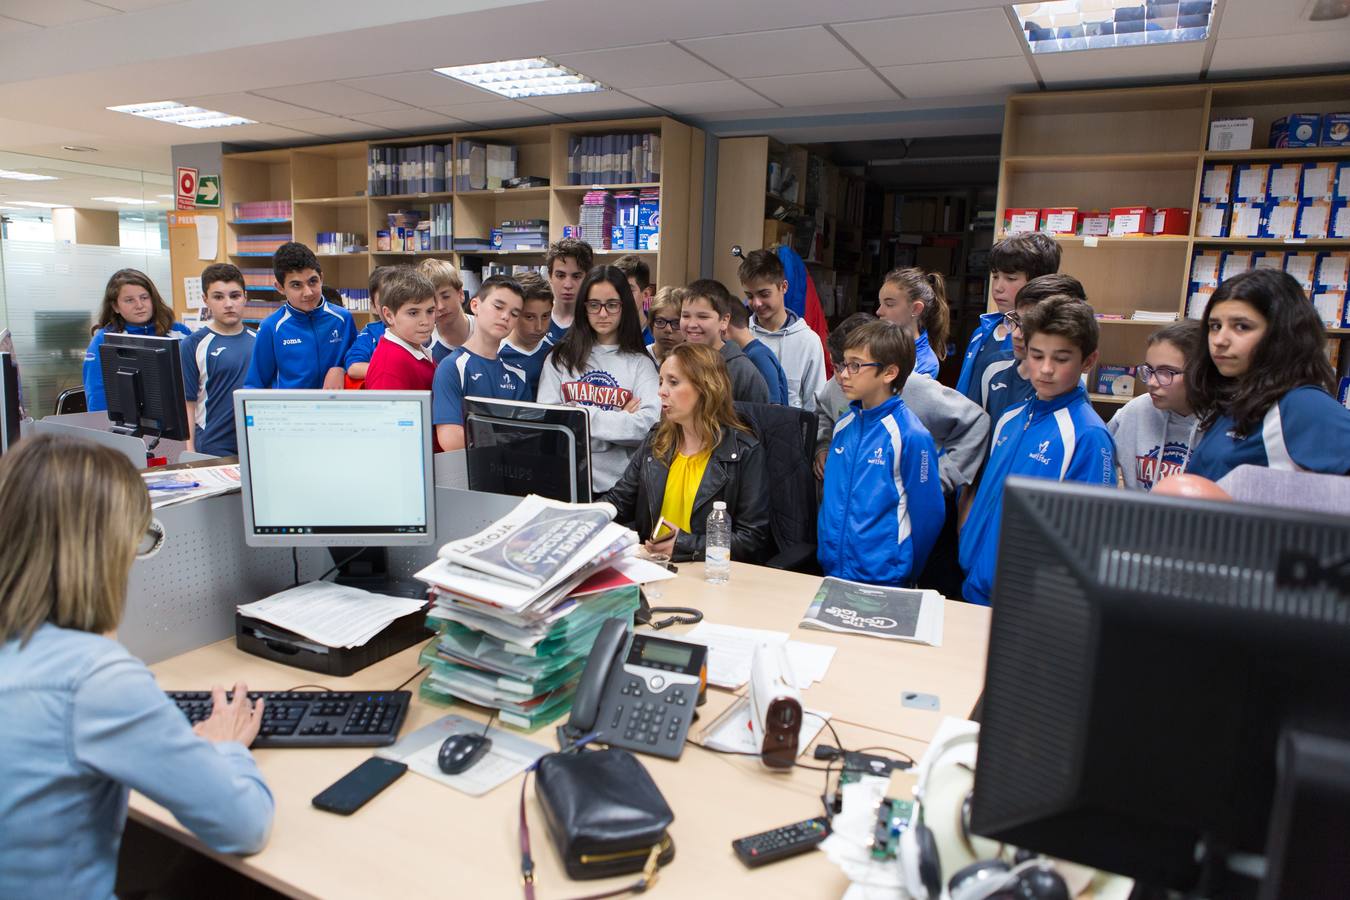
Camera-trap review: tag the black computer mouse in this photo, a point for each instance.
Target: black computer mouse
(460, 751)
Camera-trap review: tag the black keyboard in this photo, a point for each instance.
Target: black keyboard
(315, 718)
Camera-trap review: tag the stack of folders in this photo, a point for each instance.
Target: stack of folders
(519, 604)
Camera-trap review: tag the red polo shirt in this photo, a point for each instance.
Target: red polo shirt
(398, 366)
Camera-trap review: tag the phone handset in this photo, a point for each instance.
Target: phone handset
(605, 654)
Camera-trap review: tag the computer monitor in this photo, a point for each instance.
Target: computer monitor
(518, 448)
(143, 383)
(11, 412)
(1166, 682)
(336, 468)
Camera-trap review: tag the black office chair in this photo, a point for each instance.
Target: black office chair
(71, 401)
(788, 436)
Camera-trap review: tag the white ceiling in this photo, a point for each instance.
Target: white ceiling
(318, 70)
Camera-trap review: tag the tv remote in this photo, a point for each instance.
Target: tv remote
(780, 843)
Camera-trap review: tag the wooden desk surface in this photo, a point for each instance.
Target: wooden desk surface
(422, 837)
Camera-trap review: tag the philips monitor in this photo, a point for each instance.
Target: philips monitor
(336, 468)
(143, 382)
(518, 448)
(11, 412)
(1166, 694)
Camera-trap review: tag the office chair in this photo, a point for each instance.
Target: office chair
(788, 436)
(71, 400)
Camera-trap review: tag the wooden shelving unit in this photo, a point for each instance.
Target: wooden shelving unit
(327, 187)
(1098, 149)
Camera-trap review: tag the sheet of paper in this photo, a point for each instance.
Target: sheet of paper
(1205, 269)
(1332, 271)
(1314, 219)
(1246, 221)
(1217, 181)
(192, 290)
(1235, 264)
(1252, 183)
(1340, 226)
(1284, 181)
(1317, 182)
(208, 236)
(731, 732)
(1211, 221)
(1299, 265)
(331, 614)
(731, 652)
(509, 755)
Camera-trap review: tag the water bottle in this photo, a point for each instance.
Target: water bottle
(717, 550)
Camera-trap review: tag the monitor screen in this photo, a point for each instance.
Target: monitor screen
(348, 468)
(10, 411)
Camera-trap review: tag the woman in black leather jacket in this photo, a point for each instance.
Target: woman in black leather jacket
(699, 452)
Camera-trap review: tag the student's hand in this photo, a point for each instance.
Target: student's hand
(333, 380)
(820, 464)
(664, 547)
(633, 405)
(235, 720)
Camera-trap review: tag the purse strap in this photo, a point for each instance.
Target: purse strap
(649, 872)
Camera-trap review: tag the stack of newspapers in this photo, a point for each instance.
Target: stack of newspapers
(518, 606)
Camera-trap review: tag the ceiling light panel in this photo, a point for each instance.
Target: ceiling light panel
(1063, 25)
(174, 113)
(25, 176)
(517, 78)
(126, 201)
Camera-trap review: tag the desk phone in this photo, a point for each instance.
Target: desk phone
(638, 691)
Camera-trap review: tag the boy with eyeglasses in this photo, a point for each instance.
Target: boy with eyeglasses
(1155, 432)
(665, 322)
(882, 508)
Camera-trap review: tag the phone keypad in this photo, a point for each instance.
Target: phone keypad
(650, 723)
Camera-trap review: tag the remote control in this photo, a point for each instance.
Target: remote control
(780, 843)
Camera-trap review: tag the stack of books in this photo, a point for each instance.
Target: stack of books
(613, 158)
(518, 605)
(521, 234)
(262, 211)
(597, 219)
(422, 169)
(259, 244)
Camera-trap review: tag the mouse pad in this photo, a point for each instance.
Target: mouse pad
(510, 755)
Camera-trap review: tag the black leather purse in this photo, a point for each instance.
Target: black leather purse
(605, 815)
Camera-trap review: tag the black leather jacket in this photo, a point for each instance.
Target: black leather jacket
(736, 473)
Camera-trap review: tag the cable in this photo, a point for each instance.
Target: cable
(319, 686)
(295, 564)
(414, 675)
(491, 718)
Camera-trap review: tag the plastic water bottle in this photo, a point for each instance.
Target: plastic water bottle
(717, 550)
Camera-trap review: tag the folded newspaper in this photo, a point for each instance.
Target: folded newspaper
(182, 485)
(885, 612)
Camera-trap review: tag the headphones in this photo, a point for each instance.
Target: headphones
(944, 786)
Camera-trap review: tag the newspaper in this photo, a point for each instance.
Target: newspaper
(182, 485)
(885, 612)
(535, 544)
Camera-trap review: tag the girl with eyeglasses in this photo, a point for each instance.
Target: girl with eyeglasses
(1264, 389)
(602, 366)
(1155, 432)
(84, 721)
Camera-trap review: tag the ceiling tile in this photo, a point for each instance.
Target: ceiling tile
(136, 5)
(497, 112)
(12, 26)
(330, 97)
(51, 13)
(261, 132)
(334, 126)
(857, 86)
(1279, 51)
(941, 37)
(250, 106)
(410, 120)
(598, 103)
(704, 97)
(785, 51)
(425, 89)
(1261, 18)
(1122, 64)
(1008, 74)
(644, 65)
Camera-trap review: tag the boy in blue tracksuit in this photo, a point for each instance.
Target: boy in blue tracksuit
(215, 360)
(1054, 435)
(882, 508)
(302, 345)
(1013, 262)
(1012, 386)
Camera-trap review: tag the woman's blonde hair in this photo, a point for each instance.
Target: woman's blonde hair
(705, 369)
(72, 514)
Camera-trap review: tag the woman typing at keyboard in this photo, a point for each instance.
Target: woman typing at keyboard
(83, 720)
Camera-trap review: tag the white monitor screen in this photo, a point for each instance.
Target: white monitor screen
(321, 465)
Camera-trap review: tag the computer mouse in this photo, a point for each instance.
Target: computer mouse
(460, 751)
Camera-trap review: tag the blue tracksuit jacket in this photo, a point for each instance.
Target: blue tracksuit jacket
(295, 349)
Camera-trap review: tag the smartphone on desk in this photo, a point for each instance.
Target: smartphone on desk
(355, 789)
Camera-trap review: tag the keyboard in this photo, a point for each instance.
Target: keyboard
(315, 718)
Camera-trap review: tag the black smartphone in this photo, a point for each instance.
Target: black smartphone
(353, 790)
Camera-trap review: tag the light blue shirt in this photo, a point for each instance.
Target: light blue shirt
(84, 722)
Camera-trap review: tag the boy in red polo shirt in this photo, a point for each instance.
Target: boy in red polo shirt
(408, 302)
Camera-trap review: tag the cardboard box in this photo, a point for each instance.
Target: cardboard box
(1216, 186)
(1019, 220)
(1296, 130)
(1250, 182)
(1213, 221)
(1335, 130)
(1171, 220)
(1279, 219)
(1318, 181)
(1128, 221)
(1314, 218)
(1231, 134)
(1245, 220)
(1095, 223)
(1060, 220)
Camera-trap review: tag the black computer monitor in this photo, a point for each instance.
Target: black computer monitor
(143, 382)
(11, 412)
(1166, 679)
(518, 448)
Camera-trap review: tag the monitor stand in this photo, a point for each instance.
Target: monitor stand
(369, 571)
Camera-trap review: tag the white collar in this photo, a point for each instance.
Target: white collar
(417, 352)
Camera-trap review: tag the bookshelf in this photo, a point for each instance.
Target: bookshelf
(326, 190)
(1097, 149)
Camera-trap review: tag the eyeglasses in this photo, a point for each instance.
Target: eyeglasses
(1012, 320)
(151, 541)
(853, 368)
(1164, 375)
(609, 306)
(659, 323)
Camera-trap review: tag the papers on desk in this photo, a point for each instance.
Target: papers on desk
(182, 485)
(331, 614)
(884, 612)
(731, 650)
(730, 732)
(510, 755)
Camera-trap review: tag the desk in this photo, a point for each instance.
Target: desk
(419, 838)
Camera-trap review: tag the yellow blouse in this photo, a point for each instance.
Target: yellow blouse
(686, 474)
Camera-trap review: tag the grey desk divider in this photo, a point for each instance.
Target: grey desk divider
(93, 426)
(184, 597)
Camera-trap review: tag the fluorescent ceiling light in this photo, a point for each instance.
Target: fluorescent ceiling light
(37, 205)
(517, 78)
(25, 176)
(124, 200)
(177, 114)
(1098, 24)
